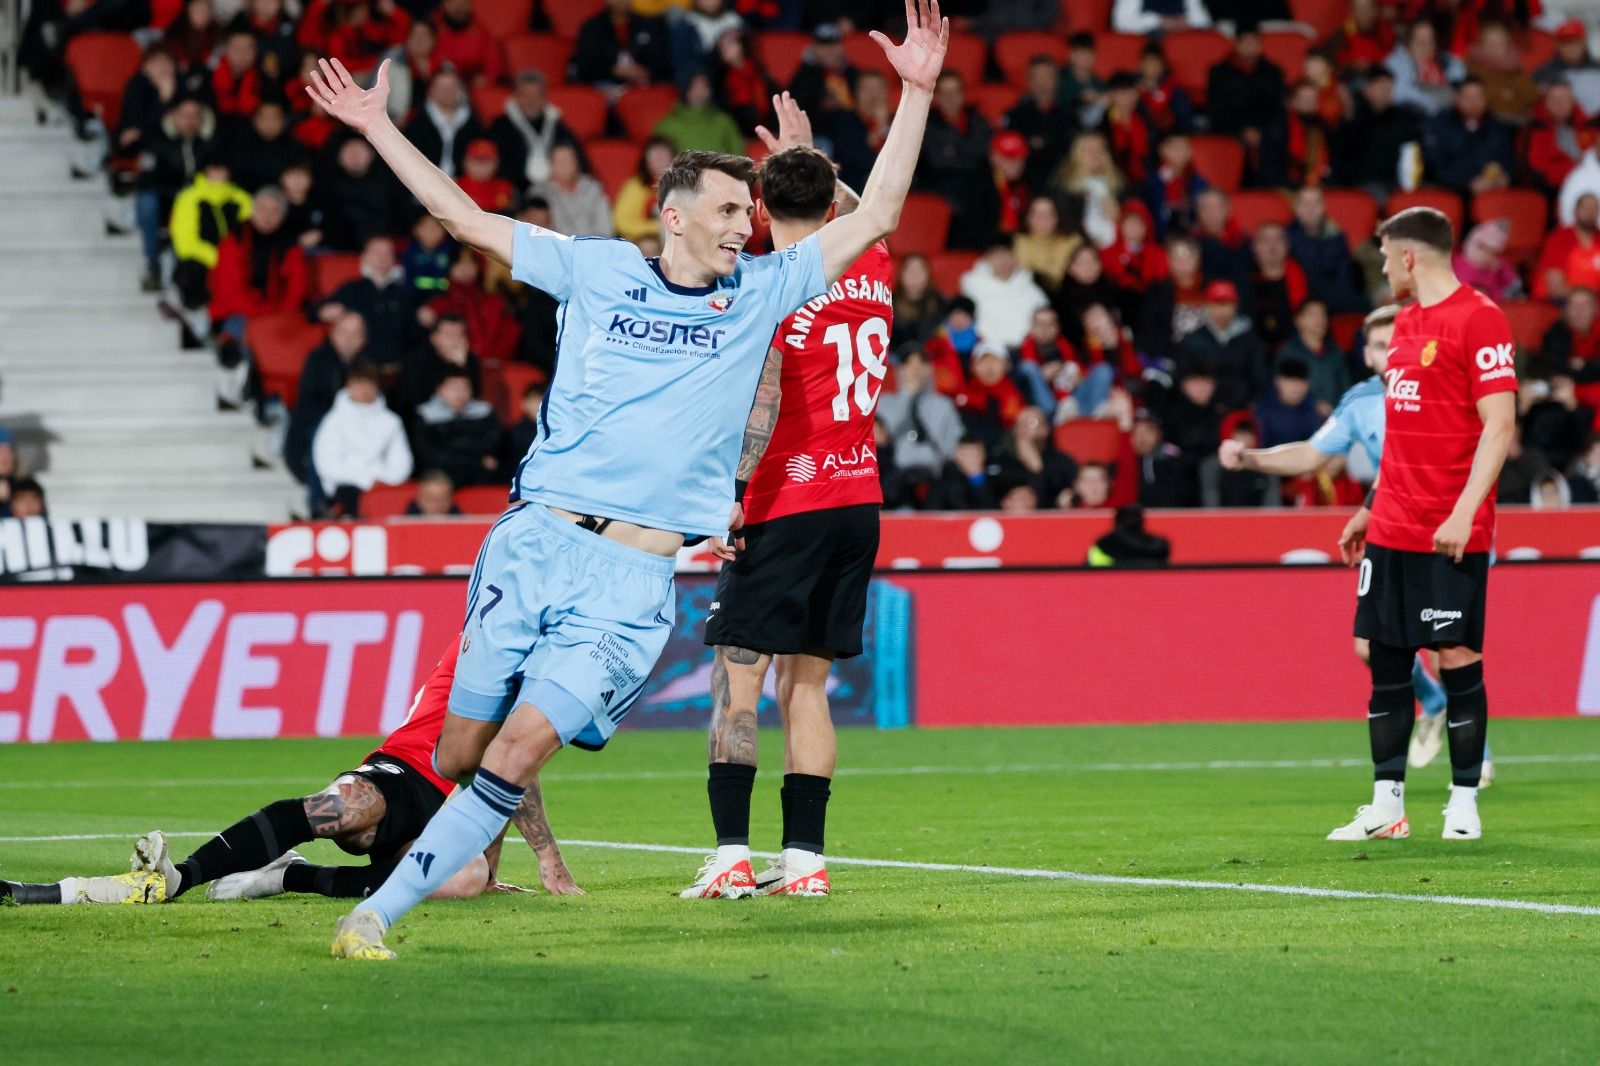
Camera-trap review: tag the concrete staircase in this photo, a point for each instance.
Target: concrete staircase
(111, 415)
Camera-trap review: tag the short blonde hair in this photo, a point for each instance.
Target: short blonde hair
(1383, 316)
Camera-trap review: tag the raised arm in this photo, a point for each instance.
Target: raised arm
(366, 112)
(794, 131)
(918, 62)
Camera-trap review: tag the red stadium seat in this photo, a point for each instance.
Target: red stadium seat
(1116, 52)
(489, 102)
(924, 225)
(568, 16)
(1287, 49)
(1091, 15)
(483, 499)
(968, 55)
(388, 501)
(279, 343)
(1530, 319)
(327, 272)
(993, 101)
(946, 269)
(1219, 160)
(1345, 329)
(1090, 440)
(163, 12)
(612, 161)
(584, 109)
(780, 53)
(1439, 199)
(755, 149)
(641, 109)
(1253, 207)
(544, 52)
(1321, 16)
(504, 18)
(1355, 211)
(102, 64)
(515, 378)
(1191, 54)
(863, 53)
(1014, 51)
(1526, 210)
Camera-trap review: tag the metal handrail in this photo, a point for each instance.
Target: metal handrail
(10, 44)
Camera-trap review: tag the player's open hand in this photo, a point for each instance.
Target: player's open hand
(558, 881)
(332, 86)
(918, 60)
(1353, 541)
(1231, 455)
(794, 125)
(1451, 538)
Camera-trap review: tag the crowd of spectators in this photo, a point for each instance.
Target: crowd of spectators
(1095, 266)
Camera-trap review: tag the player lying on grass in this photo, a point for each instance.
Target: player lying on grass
(375, 810)
(796, 595)
(1358, 421)
(570, 603)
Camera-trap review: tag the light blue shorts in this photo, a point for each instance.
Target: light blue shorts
(564, 619)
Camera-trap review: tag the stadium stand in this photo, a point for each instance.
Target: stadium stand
(1094, 160)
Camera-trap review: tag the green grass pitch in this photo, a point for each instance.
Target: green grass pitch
(902, 964)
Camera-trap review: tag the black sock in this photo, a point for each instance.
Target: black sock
(805, 811)
(729, 786)
(340, 882)
(1391, 712)
(1466, 722)
(248, 844)
(24, 893)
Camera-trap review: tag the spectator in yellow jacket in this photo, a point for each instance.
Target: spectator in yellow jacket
(205, 212)
(636, 214)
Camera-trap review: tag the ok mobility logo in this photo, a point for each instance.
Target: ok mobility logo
(655, 334)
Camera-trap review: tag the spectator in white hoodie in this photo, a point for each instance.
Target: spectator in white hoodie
(1006, 296)
(360, 443)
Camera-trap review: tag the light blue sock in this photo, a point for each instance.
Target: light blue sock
(462, 829)
(1428, 690)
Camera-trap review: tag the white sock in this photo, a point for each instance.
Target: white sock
(1464, 796)
(732, 853)
(70, 889)
(1389, 794)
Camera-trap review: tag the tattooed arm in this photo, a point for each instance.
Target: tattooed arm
(534, 825)
(763, 418)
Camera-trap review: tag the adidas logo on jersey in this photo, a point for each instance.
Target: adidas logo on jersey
(801, 468)
(637, 294)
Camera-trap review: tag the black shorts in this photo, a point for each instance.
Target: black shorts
(1415, 600)
(410, 800)
(800, 585)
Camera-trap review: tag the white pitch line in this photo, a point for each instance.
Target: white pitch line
(1024, 872)
(847, 771)
(1137, 882)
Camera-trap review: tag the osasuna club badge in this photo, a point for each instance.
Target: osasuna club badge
(720, 303)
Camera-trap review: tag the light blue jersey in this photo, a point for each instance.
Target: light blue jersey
(654, 381)
(1357, 420)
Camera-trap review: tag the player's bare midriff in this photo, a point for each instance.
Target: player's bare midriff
(640, 538)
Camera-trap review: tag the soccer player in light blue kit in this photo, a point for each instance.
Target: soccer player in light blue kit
(570, 603)
(1358, 421)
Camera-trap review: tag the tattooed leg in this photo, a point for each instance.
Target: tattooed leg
(737, 676)
(347, 811)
